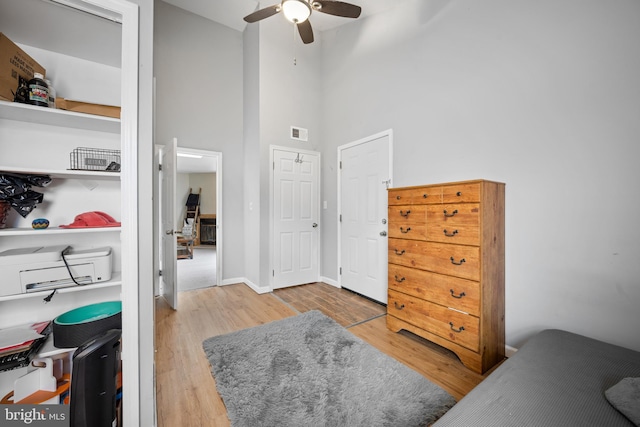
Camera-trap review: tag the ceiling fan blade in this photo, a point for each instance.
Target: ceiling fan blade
(262, 13)
(306, 33)
(337, 8)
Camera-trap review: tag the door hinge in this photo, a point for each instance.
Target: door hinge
(341, 271)
(340, 217)
(159, 167)
(273, 273)
(340, 164)
(159, 272)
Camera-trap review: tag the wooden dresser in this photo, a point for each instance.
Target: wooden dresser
(446, 267)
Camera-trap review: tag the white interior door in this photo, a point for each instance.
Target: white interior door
(365, 174)
(296, 200)
(168, 285)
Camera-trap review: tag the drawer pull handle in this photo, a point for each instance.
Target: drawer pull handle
(460, 329)
(405, 214)
(399, 253)
(453, 294)
(402, 230)
(397, 197)
(459, 193)
(424, 196)
(450, 234)
(400, 280)
(457, 263)
(398, 306)
(450, 214)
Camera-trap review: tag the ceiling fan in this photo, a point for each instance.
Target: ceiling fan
(298, 12)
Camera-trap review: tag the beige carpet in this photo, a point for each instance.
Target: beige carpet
(198, 272)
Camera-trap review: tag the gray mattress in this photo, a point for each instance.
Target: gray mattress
(556, 379)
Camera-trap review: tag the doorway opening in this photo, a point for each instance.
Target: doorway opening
(199, 172)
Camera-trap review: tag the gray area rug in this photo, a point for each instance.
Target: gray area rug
(308, 370)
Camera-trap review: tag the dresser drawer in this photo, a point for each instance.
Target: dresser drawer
(408, 222)
(461, 294)
(452, 325)
(454, 223)
(461, 193)
(455, 260)
(415, 196)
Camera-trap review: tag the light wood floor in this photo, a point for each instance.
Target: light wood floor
(186, 391)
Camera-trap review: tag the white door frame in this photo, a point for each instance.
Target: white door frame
(130, 183)
(273, 148)
(219, 215)
(389, 134)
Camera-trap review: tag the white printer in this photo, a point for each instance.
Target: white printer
(41, 268)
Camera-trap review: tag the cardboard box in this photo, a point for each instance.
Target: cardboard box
(88, 108)
(14, 62)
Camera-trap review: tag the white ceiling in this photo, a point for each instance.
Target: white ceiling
(231, 12)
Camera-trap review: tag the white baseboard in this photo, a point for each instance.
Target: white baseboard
(259, 289)
(509, 351)
(249, 283)
(232, 281)
(329, 282)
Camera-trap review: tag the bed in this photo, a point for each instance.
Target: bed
(557, 378)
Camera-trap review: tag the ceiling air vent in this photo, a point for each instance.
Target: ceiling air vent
(299, 134)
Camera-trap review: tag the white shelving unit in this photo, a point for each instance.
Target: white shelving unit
(77, 50)
(55, 117)
(71, 192)
(54, 230)
(116, 281)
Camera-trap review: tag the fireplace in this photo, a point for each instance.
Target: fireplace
(207, 230)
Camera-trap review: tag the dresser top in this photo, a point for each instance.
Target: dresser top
(473, 181)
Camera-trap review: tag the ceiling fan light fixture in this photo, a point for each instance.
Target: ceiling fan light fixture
(296, 11)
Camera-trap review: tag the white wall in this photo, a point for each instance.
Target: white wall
(199, 99)
(207, 183)
(251, 143)
(194, 182)
(543, 96)
(278, 95)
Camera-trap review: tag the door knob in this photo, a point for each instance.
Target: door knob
(314, 225)
(169, 232)
(383, 233)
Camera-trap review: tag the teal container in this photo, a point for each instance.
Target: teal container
(75, 327)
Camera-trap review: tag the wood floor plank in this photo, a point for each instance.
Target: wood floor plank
(186, 393)
(345, 307)
(437, 364)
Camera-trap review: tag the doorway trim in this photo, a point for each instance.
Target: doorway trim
(219, 215)
(388, 133)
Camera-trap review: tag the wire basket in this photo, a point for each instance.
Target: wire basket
(95, 159)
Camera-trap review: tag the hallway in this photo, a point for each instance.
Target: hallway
(198, 272)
